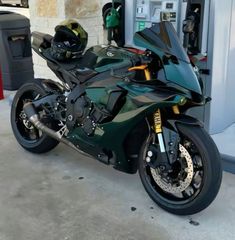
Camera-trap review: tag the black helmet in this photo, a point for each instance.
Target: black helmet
(69, 42)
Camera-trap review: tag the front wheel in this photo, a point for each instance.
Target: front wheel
(195, 178)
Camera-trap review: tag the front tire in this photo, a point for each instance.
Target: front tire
(26, 134)
(206, 168)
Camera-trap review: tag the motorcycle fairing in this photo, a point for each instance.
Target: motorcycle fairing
(163, 41)
(141, 100)
(109, 137)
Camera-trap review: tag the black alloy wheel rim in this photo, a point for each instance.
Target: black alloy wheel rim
(196, 184)
(26, 130)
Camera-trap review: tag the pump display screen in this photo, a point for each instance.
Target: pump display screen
(149, 12)
(169, 6)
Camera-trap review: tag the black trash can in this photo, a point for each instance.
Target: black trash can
(15, 50)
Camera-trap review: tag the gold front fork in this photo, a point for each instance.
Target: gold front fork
(157, 122)
(157, 114)
(158, 130)
(158, 126)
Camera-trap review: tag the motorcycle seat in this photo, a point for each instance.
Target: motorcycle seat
(41, 41)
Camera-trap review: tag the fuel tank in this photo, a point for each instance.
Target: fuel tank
(102, 58)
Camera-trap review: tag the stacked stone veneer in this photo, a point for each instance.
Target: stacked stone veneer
(46, 14)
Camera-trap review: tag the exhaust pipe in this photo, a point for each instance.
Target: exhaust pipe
(34, 119)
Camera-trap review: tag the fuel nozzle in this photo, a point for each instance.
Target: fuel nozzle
(189, 26)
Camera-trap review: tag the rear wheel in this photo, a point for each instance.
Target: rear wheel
(26, 134)
(195, 178)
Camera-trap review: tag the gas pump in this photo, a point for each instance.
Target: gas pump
(149, 12)
(190, 30)
(195, 34)
(197, 16)
(114, 21)
(141, 14)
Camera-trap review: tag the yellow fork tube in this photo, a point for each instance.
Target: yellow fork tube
(158, 130)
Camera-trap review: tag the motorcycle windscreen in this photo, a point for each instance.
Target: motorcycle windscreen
(162, 39)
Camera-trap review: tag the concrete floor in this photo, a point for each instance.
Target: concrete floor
(65, 196)
(225, 141)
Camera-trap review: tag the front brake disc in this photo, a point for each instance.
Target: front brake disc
(181, 185)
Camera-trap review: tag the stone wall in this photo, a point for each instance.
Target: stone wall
(45, 15)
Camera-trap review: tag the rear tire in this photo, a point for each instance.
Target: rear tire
(211, 180)
(38, 143)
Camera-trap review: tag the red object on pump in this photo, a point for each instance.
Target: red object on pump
(1, 86)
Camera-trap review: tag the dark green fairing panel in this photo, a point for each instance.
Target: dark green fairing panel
(110, 137)
(104, 58)
(163, 41)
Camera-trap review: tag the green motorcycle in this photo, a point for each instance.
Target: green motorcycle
(129, 111)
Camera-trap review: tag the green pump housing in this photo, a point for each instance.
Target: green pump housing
(113, 19)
